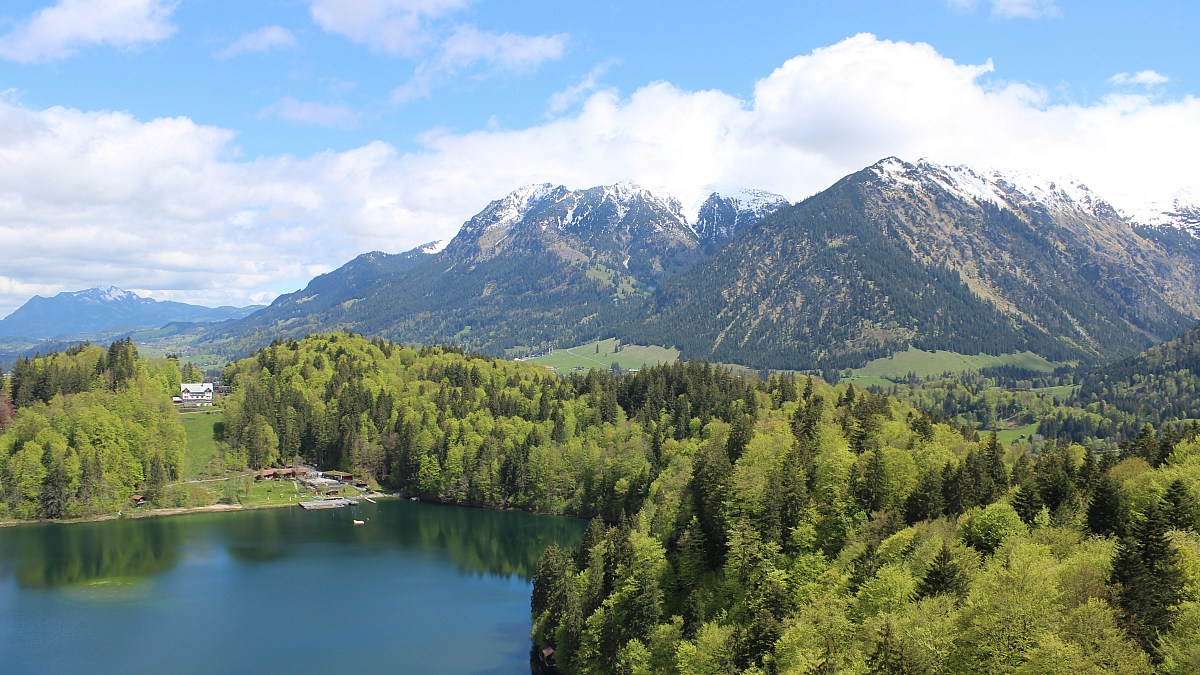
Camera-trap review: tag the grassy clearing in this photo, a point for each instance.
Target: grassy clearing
(930, 364)
(603, 353)
(201, 445)
(1025, 433)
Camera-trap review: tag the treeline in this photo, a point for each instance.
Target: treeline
(829, 530)
(90, 427)
(463, 428)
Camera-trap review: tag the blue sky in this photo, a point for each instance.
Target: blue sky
(149, 142)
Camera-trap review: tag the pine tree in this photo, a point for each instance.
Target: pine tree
(1149, 578)
(1027, 502)
(943, 576)
(887, 658)
(1104, 516)
(1180, 506)
(927, 501)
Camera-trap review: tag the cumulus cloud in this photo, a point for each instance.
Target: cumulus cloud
(311, 112)
(56, 32)
(166, 205)
(268, 38)
(1143, 78)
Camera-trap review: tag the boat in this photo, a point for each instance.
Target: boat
(360, 522)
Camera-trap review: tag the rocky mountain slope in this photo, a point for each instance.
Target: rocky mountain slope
(545, 263)
(894, 255)
(937, 257)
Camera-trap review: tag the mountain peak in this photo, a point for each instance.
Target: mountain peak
(103, 294)
(104, 309)
(1010, 190)
(1181, 211)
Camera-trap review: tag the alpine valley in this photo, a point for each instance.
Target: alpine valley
(895, 255)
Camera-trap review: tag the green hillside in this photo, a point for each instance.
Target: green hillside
(603, 353)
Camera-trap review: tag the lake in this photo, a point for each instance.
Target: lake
(418, 588)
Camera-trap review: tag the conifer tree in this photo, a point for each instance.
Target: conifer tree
(1149, 578)
(1027, 502)
(887, 658)
(1180, 506)
(1104, 515)
(943, 576)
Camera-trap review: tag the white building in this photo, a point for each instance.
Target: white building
(195, 393)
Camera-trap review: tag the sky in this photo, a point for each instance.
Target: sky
(224, 152)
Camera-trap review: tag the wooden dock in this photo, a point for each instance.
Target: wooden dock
(334, 503)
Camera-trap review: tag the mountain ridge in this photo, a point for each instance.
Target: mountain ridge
(105, 309)
(896, 254)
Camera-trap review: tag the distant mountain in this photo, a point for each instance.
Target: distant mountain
(937, 257)
(545, 263)
(105, 310)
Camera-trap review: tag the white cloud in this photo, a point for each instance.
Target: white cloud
(56, 32)
(422, 30)
(1013, 9)
(393, 27)
(487, 53)
(508, 52)
(1144, 78)
(560, 101)
(99, 197)
(1025, 9)
(265, 39)
(310, 112)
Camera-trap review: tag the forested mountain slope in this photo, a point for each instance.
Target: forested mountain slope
(1158, 385)
(893, 256)
(935, 257)
(91, 427)
(542, 264)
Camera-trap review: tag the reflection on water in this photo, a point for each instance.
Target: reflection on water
(477, 541)
(444, 588)
(119, 551)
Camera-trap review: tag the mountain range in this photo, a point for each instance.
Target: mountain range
(105, 309)
(898, 254)
(544, 264)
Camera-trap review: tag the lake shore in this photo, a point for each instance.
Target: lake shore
(164, 512)
(141, 513)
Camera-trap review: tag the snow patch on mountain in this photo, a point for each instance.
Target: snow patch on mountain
(104, 294)
(1181, 211)
(1006, 189)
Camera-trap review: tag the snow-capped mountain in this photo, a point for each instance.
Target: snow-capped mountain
(941, 257)
(105, 309)
(538, 264)
(1181, 212)
(897, 254)
(721, 217)
(624, 218)
(626, 233)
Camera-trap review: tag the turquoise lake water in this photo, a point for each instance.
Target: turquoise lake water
(418, 588)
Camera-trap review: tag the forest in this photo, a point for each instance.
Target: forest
(82, 430)
(737, 524)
